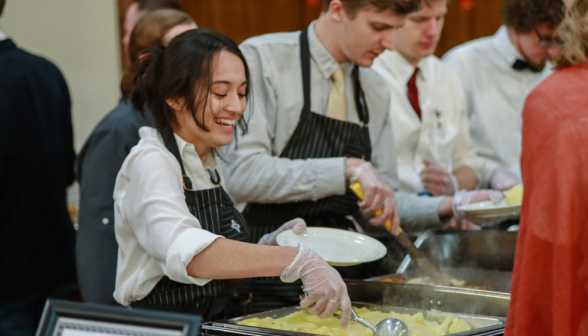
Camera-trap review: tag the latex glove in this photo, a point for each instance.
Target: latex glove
(323, 285)
(464, 197)
(377, 194)
(298, 225)
(459, 224)
(503, 180)
(437, 180)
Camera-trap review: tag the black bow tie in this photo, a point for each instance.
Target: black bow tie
(522, 65)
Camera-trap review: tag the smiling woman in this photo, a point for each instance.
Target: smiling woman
(170, 204)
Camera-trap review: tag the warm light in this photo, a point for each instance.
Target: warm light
(466, 5)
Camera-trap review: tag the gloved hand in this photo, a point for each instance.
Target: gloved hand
(464, 197)
(298, 225)
(322, 283)
(461, 224)
(377, 194)
(437, 180)
(503, 180)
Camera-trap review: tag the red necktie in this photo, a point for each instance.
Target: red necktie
(413, 93)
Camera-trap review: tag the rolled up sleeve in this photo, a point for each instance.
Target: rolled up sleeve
(155, 207)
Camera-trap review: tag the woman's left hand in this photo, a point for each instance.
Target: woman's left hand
(298, 225)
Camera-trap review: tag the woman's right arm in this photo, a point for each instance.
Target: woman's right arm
(228, 259)
(155, 207)
(231, 259)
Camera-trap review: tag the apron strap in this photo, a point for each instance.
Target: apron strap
(172, 145)
(360, 103)
(305, 63)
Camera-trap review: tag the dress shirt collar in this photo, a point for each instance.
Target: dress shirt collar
(506, 49)
(188, 149)
(2, 36)
(400, 68)
(326, 62)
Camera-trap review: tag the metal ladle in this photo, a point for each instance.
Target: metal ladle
(387, 327)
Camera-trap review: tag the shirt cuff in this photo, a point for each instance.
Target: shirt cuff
(418, 213)
(330, 177)
(183, 249)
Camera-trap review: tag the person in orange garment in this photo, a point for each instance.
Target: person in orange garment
(550, 282)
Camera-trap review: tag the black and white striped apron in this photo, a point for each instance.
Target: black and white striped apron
(315, 136)
(215, 212)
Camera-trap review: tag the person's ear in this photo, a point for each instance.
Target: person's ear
(336, 10)
(176, 103)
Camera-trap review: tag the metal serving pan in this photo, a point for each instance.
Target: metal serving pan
(484, 310)
(482, 324)
(486, 249)
(498, 281)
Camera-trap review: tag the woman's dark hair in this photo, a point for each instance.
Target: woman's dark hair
(182, 69)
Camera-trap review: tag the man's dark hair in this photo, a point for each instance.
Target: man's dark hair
(526, 15)
(402, 7)
(2, 2)
(158, 4)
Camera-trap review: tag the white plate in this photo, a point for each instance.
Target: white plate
(337, 247)
(489, 210)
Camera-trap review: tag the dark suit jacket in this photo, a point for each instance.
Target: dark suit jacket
(97, 167)
(36, 166)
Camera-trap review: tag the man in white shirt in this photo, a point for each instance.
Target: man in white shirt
(278, 169)
(434, 149)
(497, 73)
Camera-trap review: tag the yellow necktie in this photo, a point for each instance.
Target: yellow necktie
(337, 108)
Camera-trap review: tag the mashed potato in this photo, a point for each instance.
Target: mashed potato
(514, 196)
(434, 324)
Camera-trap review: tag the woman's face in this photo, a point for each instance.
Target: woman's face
(226, 104)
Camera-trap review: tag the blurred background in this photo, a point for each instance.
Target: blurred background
(83, 37)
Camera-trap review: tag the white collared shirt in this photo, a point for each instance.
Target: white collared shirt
(495, 95)
(258, 174)
(156, 233)
(3, 36)
(442, 134)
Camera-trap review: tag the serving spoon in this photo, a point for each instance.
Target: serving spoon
(387, 327)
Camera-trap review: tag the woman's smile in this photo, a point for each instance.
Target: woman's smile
(226, 124)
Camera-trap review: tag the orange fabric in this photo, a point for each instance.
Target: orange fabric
(550, 282)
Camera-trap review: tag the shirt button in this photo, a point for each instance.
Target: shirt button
(105, 221)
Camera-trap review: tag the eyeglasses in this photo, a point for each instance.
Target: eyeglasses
(549, 42)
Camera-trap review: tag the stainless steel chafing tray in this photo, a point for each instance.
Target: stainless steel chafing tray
(498, 281)
(485, 311)
(486, 249)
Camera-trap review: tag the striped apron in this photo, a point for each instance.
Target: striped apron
(214, 209)
(315, 136)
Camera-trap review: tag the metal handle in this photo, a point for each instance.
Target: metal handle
(358, 319)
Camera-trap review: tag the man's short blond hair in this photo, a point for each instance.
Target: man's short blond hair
(574, 32)
(402, 7)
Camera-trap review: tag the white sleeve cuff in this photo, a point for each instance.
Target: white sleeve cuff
(183, 249)
(330, 177)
